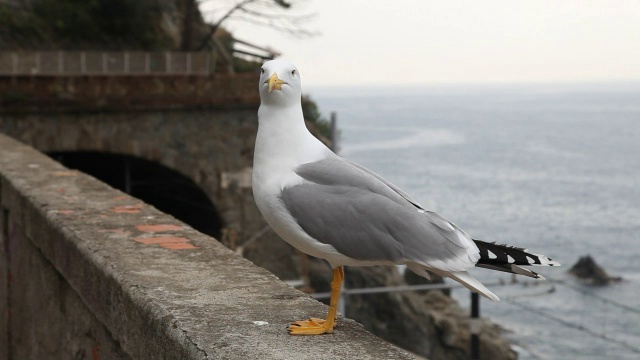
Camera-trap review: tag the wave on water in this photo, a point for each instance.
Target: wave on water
(417, 138)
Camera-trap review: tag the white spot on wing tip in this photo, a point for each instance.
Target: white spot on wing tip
(491, 255)
(530, 260)
(510, 259)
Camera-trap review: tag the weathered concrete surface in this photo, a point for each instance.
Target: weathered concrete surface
(152, 287)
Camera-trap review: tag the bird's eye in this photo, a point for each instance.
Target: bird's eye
(293, 72)
(261, 70)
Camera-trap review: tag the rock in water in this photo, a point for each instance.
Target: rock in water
(589, 271)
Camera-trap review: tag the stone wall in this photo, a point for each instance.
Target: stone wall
(87, 272)
(66, 93)
(212, 147)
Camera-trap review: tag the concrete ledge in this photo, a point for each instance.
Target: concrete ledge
(160, 289)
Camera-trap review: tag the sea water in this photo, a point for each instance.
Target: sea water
(552, 168)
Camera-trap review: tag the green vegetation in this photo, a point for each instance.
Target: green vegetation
(13, 97)
(20, 27)
(84, 24)
(107, 22)
(312, 114)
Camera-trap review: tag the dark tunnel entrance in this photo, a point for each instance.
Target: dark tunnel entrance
(167, 190)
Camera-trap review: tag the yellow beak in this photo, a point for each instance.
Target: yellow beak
(274, 82)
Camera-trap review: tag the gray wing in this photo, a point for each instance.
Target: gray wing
(390, 185)
(366, 218)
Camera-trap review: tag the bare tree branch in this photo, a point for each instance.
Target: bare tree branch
(292, 18)
(271, 23)
(261, 13)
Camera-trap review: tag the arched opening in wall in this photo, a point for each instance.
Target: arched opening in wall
(155, 184)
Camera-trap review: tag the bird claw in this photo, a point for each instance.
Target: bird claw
(312, 326)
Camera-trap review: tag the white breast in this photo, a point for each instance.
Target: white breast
(277, 154)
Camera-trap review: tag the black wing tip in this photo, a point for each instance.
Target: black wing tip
(492, 253)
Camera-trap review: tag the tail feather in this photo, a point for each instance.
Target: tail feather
(512, 269)
(468, 281)
(495, 257)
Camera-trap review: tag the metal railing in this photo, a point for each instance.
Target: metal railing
(615, 339)
(76, 63)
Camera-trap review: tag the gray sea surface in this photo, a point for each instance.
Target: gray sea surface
(552, 168)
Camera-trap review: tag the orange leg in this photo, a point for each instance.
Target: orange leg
(315, 326)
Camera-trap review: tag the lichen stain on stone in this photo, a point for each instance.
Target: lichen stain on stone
(168, 242)
(159, 227)
(118, 231)
(65, 173)
(179, 246)
(161, 240)
(127, 209)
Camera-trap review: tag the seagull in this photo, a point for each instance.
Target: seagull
(334, 209)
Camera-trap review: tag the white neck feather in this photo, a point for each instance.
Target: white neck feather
(283, 143)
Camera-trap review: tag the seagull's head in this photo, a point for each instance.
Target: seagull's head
(280, 83)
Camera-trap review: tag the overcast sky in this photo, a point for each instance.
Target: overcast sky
(433, 42)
